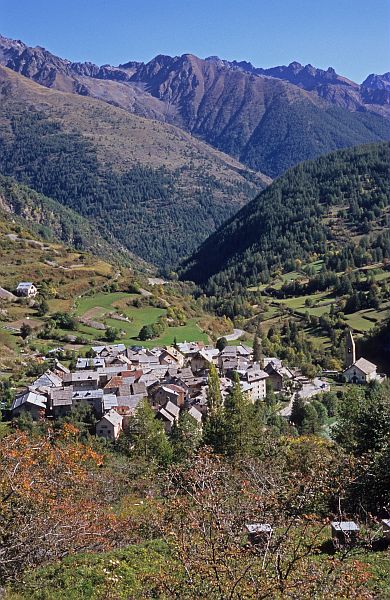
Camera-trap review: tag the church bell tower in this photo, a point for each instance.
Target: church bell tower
(350, 351)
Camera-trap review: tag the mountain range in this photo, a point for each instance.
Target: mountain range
(159, 155)
(268, 119)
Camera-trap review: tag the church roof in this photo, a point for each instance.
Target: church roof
(365, 365)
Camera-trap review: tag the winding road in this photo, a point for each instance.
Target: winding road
(237, 333)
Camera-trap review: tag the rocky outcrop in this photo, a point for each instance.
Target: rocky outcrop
(376, 89)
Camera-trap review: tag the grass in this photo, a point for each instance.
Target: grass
(139, 316)
(270, 312)
(105, 300)
(277, 283)
(145, 315)
(188, 332)
(104, 303)
(99, 305)
(359, 323)
(60, 305)
(4, 429)
(134, 572)
(321, 301)
(321, 341)
(7, 339)
(119, 574)
(382, 275)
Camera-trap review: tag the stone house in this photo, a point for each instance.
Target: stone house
(168, 393)
(168, 414)
(90, 364)
(26, 289)
(61, 401)
(113, 350)
(203, 359)
(92, 397)
(82, 380)
(30, 402)
(256, 379)
(189, 349)
(47, 380)
(196, 414)
(278, 375)
(110, 426)
(171, 356)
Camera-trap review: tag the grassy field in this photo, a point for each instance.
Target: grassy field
(187, 333)
(321, 303)
(104, 300)
(99, 307)
(89, 576)
(70, 276)
(102, 304)
(358, 322)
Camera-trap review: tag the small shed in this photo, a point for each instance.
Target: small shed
(259, 533)
(345, 531)
(386, 528)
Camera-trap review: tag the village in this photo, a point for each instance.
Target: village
(114, 379)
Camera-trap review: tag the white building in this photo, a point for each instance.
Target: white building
(361, 371)
(27, 289)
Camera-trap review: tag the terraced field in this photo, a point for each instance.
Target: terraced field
(102, 305)
(318, 304)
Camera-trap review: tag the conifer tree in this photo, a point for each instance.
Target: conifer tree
(185, 437)
(311, 423)
(297, 411)
(257, 350)
(214, 427)
(214, 398)
(240, 422)
(147, 435)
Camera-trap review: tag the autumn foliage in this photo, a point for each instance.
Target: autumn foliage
(52, 500)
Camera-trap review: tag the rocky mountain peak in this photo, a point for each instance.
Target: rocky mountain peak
(379, 82)
(376, 89)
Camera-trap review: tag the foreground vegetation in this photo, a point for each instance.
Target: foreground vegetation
(158, 516)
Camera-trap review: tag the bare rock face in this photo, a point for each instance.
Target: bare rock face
(376, 89)
(267, 118)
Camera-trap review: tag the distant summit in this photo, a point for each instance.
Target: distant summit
(376, 89)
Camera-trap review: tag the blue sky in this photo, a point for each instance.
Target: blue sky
(350, 35)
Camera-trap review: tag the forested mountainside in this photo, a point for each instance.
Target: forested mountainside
(147, 185)
(269, 119)
(335, 208)
(56, 223)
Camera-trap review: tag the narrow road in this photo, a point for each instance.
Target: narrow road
(286, 411)
(237, 333)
